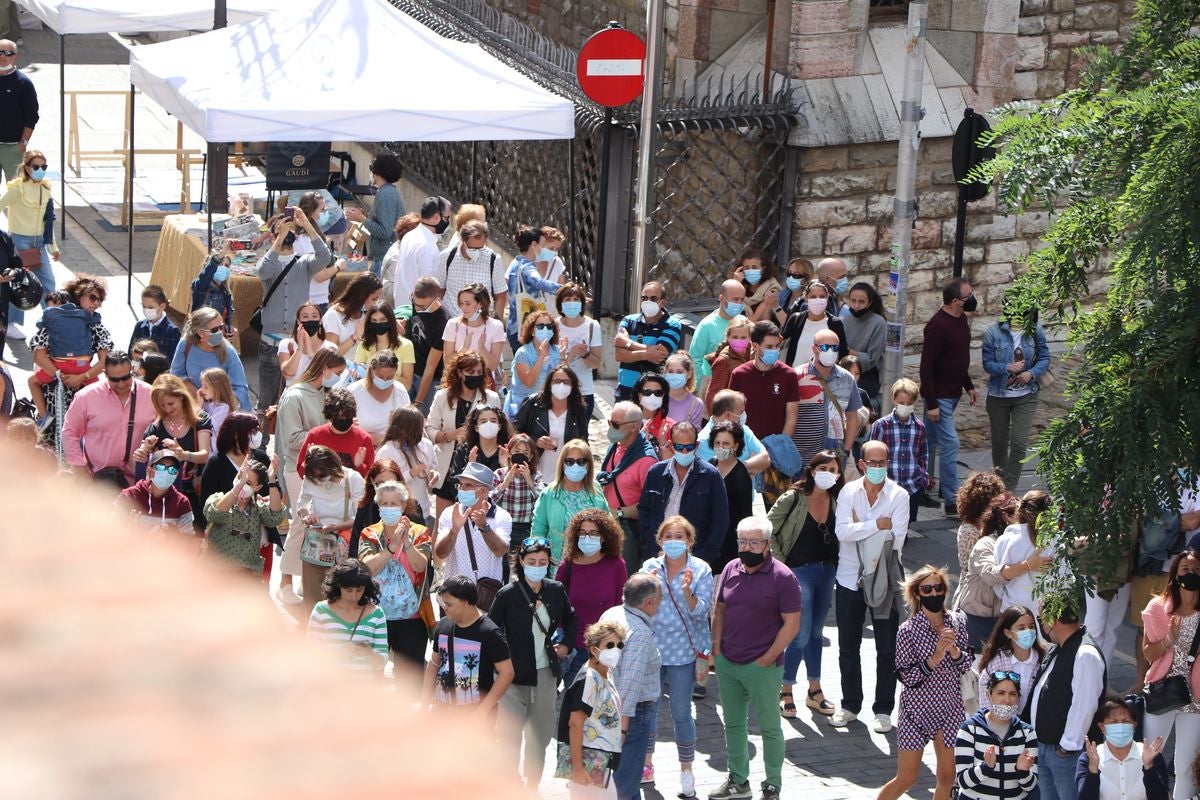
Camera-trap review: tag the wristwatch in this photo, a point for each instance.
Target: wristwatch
(274, 485)
(486, 527)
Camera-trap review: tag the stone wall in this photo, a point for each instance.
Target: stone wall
(1050, 30)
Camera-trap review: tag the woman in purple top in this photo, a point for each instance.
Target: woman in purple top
(932, 654)
(593, 573)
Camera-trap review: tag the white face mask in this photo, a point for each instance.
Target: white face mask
(256, 440)
(489, 430)
(151, 314)
(1003, 711)
(827, 357)
(650, 308)
(610, 657)
(651, 402)
(561, 391)
(825, 480)
(474, 252)
(903, 411)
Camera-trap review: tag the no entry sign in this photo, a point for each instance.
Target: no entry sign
(610, 67)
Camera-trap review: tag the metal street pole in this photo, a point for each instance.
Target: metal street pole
(904, 207)
(651, 96)
(218, 153)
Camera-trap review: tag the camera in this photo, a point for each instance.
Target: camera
(238, 245)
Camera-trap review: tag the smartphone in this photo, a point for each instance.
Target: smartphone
(237, 245)
(289, 212)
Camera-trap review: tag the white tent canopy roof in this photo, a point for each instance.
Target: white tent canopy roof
(348, 70)
(105, 16)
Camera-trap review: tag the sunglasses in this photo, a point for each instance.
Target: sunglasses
(611, 645)
(37, 166)
(167, 468)
(1006, 675)
(576, 462)
(825, 348)
(535, 541)
(120, 378)
(544, 326)
(927, 590)
(654, 392)
(7, 53)
(218, 329)
(617, 425)
(798, 275)
(389, 363)
(683, 448)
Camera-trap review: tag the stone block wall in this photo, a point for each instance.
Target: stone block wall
(1050, 30)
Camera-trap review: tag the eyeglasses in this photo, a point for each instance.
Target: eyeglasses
(535, 541)
(575, 462)
(755, 544)
(167, 468)
(683, 448)
(876, 463)
(589, 531)
(544, 326)
(120, 378)
(928, 589)
(654, 392)
(1006, 675)
(95, 298)
(825, 348)
(617, 425)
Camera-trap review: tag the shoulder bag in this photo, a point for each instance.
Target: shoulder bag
(256, 317)
(1174, 691)
(487, 587)
(548, 641)
(326, 548)
(833, 399)
(116, 475)
(1046, 379)
(526, 303)
(703, 657)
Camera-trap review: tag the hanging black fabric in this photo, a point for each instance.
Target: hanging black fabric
(297, 165)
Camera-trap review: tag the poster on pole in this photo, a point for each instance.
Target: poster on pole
(895, 335)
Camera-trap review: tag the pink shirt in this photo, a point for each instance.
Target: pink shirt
(630, 481)
(98, 421)
(1156, 620)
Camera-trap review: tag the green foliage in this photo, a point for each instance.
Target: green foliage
(1118, 158)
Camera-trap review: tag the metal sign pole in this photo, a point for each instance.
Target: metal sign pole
(643, 208)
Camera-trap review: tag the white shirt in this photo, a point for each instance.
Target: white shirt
(287, 347)
(336, 323)
(1087, 682)
(558, 429)
(459, 560)
(1121, 779)
(327, 500)
(417, 487)
(587, 334)
(418, 257)
(1013, 547)
(372, 415)
(804, 344)
(856, 522)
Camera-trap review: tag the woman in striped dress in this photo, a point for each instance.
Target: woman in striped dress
(995, 753)
(931, 656)
(348, 619)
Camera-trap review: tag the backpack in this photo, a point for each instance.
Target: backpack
(491, 268)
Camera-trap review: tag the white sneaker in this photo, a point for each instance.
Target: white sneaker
(841, 718)
(15, 333)
(687, 784)
(883, 723)
(287, 594)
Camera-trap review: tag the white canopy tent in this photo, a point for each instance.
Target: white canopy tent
(349, 70)
(105, 16)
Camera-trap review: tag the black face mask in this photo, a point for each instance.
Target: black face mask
(861, 312)
(379, 328)
(751, 559)
(971, 303)
(933, 602)
(289, 239)
(312, 327)
(341, 424)
(1190, 581)
(473, 382)
(440, 228)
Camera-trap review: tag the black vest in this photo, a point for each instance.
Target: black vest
(1057, 693)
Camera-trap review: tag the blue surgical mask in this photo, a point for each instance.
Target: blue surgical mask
(842, 285)
(1026, 638)
(331, 381)
(466, 497)
(221, 274)
(543, 334)
(163, 480)
(547, 255)
(575, 472)
(742, 419)
(794, 284)
(685, 459)
(215, 339)
(38, 174)
(572, 308)
(733, 309)
(1118, 734)
(588, 545)
(325, 219)
(535, 574)
(769, 357)
(381, 383)
(674, 548)
(676, 380)
(752, 276)
(876, 475)
(476, 315)
(390, 515)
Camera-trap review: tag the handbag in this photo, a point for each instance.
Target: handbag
(31, 258)
(526, 303)
(548, 641)
(256, 317)
(116, 475)
(703, 657)
(326, 548)
(486, 587)
(1046, 379)
(1172, 692)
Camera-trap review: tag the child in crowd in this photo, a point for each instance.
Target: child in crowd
(681, 377)
(518, 483)
(904, 434)
(70, 329)
(156, 326)
(153, 365)
(211, 288)
(729, 355)
(138, 351)
(217, 393)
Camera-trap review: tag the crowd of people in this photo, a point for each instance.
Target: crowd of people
(419, 460)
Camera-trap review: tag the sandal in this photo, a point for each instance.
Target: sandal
(821, 706)
(787, 709)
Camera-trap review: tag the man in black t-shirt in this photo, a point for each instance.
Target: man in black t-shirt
(425, 332)
(470, 664)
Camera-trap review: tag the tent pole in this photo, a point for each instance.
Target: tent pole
(571, 198)
(62, 133)
(129, 241)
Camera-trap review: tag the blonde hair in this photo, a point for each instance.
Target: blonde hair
(468, 212)
(168, 385)
(908, 386)
(576, 444)
(598, 632)
(912, 594)
(681, 357)
(30, 155)
(222, 389)
(677, 521)
(738, 322)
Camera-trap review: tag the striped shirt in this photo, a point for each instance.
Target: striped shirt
(666, 331)
(326, 626)
(976, 780)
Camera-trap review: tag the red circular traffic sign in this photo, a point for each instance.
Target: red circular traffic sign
(610, 67)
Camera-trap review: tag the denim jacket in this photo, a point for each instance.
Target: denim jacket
(998, 354)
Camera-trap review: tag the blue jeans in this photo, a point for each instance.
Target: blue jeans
(942, 436)
(45, 273)
(816, 594)
(1056, 774)
(627, 777)
(678, 680)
